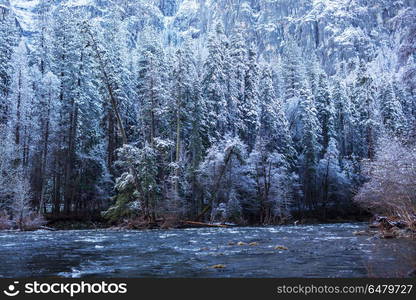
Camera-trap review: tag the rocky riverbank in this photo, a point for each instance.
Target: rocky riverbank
(389, 227)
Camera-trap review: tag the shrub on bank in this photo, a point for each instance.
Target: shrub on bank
(5, 222)
(31, 221)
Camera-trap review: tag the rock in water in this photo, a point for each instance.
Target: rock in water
(360, 232)
(281, 248)
(388, 235)
(219, 266)
(412, 274)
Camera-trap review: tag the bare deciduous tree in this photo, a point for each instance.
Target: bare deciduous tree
(392, 185)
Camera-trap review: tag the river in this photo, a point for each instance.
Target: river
(323, 250)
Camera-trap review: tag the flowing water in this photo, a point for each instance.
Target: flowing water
(329, 250)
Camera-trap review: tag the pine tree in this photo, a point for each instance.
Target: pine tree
(274, 127)
(294, 76)
(187, 120)
(215, 85)
(404, 96)
(236, 68)
(79, 158)
(325, 109)
(310, 147)
(293, 70)
(47, 108)
(21, 99)
(343, 118)
(110, 73)
(8, 41)
(151, 91)
(314, 74)
(43, 37)
(8, 168)
(272, 156)
(391, 109)
(221, 175)
(366, 112)
(334, 184)
(66, 55)
(248, 114)
(197, 144)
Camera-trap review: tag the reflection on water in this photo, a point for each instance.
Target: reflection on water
(314, 251)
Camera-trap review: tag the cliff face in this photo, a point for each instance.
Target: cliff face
(336, 29)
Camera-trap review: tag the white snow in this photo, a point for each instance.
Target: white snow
(72, 3)
(24, 13)
(350, 35)
(188, 6)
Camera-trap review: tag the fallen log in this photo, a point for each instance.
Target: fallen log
(204, 224)
(47, 228)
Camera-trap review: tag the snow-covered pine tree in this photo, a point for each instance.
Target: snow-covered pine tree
(325, 109)
(294, 76)
(407, 102)
(196, 140)
(343, 118)
(236, 71)
(314, 72)
(222, 176)
(273, 125)
(22, 120)
(365, 113)
(334, 185)
(391, 109)
(214, 85)
(248, 106)
(309, 145)
(186, 127)
(151, 90)
(293, 70)
(8, 41)
(47, 108)
(272, 156)
(78, 157)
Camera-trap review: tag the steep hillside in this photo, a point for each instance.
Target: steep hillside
(337, 30)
